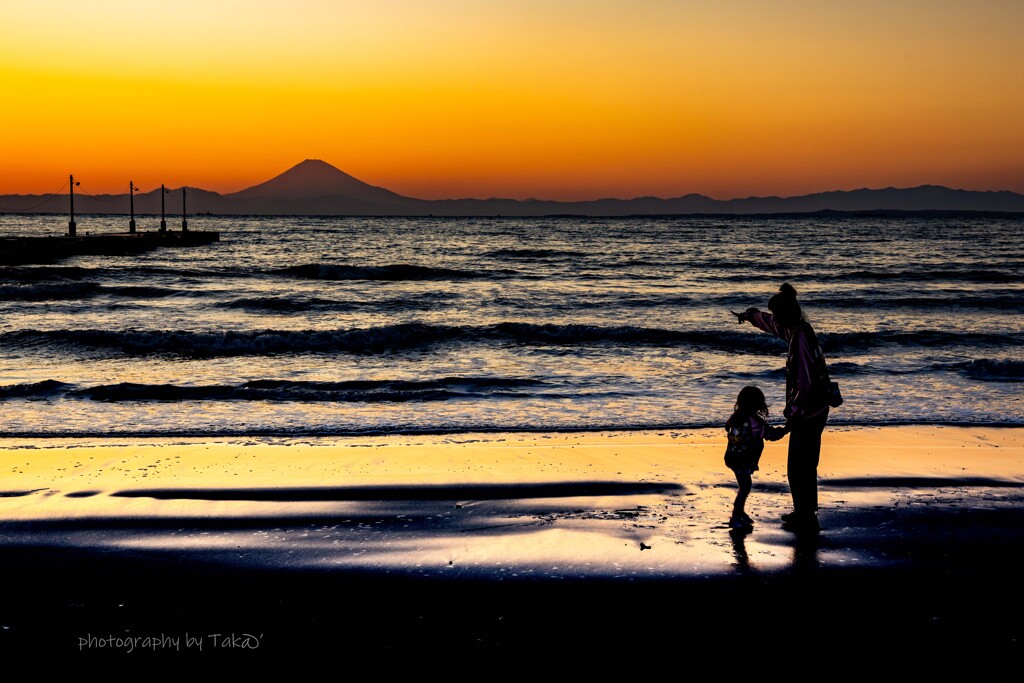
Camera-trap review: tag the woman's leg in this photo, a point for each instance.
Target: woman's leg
(804, 452)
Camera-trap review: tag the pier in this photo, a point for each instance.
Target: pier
(25, 250)
(46, 249)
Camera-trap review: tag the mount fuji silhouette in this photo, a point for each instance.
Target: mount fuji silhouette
(316, 188)
(314, 183)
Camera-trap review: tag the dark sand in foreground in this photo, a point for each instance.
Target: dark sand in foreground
(600, 549)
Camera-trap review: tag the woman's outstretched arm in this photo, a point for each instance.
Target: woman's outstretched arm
(763, 321)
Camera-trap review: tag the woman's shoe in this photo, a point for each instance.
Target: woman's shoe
(801, 522)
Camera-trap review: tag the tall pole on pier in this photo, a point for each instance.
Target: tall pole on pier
(72, 228)
(131, 205)
(184, 223)
(163, 214)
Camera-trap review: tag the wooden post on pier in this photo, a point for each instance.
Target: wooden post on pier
(131, 205)
(184, 223)
(163, 214)
(72, 228)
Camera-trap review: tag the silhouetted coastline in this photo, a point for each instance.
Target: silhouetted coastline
(315, 188)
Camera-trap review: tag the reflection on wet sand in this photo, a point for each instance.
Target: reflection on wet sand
(576, 505)
(389, 544)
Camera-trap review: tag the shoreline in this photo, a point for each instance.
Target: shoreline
(476, 544)
(284, 436)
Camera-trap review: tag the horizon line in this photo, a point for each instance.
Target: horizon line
(835, 190)
(331, 168)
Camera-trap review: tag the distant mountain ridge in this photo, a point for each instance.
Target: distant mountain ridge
(316, 188)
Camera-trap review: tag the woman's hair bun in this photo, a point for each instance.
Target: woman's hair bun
(787, 290)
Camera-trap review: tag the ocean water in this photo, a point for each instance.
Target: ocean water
(303, 326)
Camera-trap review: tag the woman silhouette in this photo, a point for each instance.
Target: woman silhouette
(806, 401)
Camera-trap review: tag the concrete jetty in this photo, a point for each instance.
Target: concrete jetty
(25, 250)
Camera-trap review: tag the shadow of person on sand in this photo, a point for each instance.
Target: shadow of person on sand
(739, 549)
(805, 551)
(804, 556)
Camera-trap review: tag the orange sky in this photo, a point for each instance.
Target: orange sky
(560, 99)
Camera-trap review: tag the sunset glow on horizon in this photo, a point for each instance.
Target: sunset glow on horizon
(556, 100)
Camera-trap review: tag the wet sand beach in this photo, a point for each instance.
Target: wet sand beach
(485, 545)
